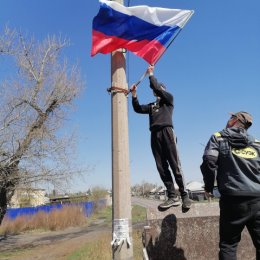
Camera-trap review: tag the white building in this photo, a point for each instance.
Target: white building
(196, 190)
(28, 197)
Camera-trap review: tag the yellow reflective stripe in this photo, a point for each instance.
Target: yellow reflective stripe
(217, 134)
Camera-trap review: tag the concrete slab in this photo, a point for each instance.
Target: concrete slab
(173, 235)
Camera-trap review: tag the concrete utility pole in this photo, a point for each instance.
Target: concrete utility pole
(122, 221)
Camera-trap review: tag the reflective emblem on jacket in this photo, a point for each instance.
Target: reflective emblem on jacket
(238, 171)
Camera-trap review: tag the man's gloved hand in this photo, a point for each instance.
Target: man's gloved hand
(133, 90)
(150, 70)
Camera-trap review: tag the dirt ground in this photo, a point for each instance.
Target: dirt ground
(54, 245)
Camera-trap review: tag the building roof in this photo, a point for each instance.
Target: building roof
(195, 186)
(153, 190)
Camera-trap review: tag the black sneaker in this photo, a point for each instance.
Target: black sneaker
(186, 202)
(171, 202)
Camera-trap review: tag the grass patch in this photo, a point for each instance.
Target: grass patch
(69, 216)
(138, 215)
(15, 254)
(100, 248)
(105, 214)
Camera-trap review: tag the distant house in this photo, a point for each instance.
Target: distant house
(161, 193)
(78, 198)
(152, 193)
(28, 198)
(196, 190)
(66, 199)
(60, 199)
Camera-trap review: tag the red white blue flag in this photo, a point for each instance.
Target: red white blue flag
(145, 31)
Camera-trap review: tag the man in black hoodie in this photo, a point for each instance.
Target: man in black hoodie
(233, 157)
(163, 140)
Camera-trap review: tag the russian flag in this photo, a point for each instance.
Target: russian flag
(145, 31)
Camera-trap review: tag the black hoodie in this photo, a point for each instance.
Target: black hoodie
(234, 156)
(161, 111)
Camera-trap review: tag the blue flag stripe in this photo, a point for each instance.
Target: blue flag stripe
(114, 23)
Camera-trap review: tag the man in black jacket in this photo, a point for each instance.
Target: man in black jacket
(233, 157)
(163, 140)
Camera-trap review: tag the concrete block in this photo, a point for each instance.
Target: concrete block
(173, 235)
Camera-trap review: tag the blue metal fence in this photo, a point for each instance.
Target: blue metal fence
(87, 206)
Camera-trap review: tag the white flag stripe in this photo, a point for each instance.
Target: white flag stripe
(154, 15)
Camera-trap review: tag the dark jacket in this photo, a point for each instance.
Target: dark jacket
(234, 156)
(160, 112)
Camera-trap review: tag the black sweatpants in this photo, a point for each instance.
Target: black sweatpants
(163, 143)
(235, 214)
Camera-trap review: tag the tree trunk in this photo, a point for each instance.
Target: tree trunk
(7, 188)
(10, 173)
(3, 202)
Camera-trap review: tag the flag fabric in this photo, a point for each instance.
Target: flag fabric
(145, 31)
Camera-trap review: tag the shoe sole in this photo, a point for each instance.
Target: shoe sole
(184, 210)
(186, 207)
(176, 204)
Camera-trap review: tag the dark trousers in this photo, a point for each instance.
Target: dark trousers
(163, 143)
(235, 214)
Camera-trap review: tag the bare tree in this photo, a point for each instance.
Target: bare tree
(143, 189)
(7, 40)
(34, 102)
